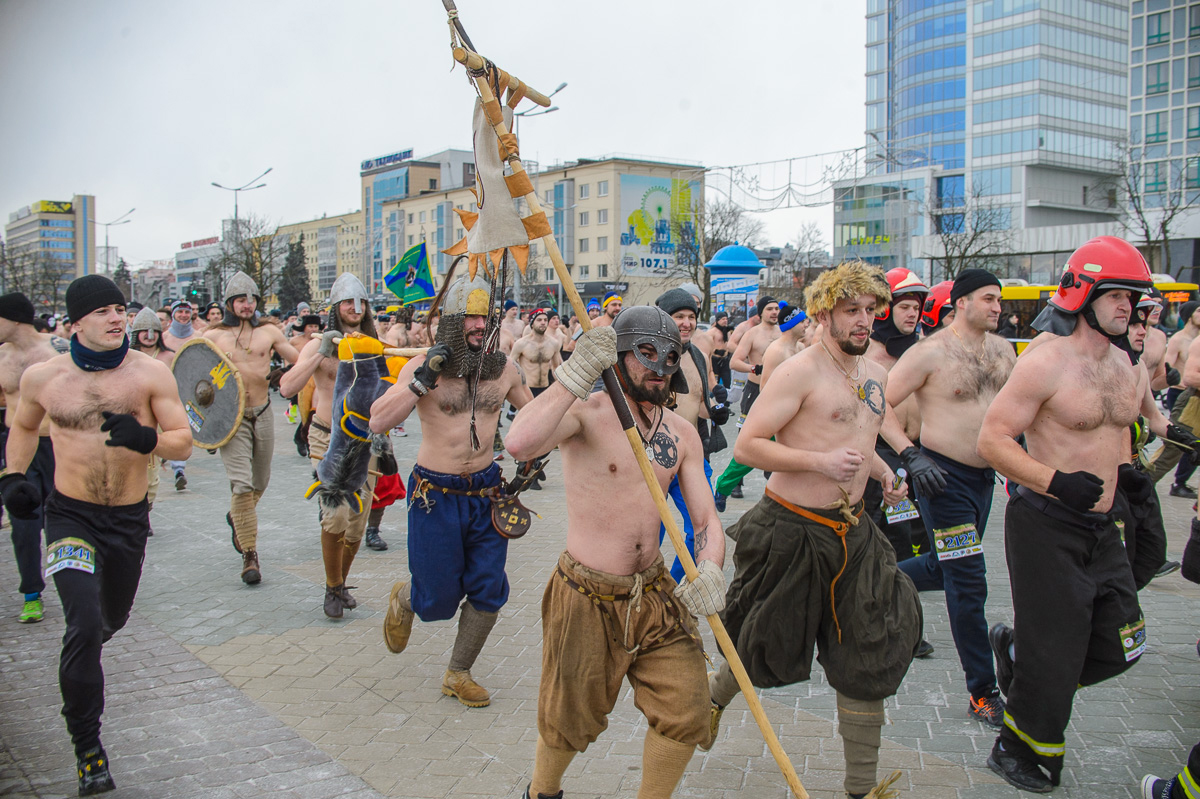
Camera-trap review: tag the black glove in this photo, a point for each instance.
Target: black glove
(1077, 490)
(718, 409)
(1137, 485)
(21, 497)
(427, 373)
(527, 474)
(1173, 376)
(1182, 434)
(924, 475)
(124, 430)
(757, 369)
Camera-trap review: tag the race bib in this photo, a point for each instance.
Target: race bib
(1133, 639)
(70, 553)
(960, 541)
(904, 511)
(741, 420)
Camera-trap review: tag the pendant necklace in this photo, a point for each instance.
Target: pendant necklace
(653, 430)
(238, 341)
(853, 381)
(982, 346)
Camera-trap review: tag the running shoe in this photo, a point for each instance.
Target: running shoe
(924, 649)
(1167, 568)
(719, 500)
(399, 430)
(373, 540)
(1185, 491)
(293, 414)
(1018, 772)
(92, 769)
(988, 709)
(33, 611)
(180, 481)
(1155, 788)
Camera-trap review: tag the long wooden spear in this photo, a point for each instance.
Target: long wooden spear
(475, 63)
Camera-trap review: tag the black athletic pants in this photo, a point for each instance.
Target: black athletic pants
(27, 533)
(1076, 619)
(907, 537)
(95, 605)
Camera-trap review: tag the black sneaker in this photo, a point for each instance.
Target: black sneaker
(1000, 637)
(1154, 788)
(988, 709)
(719, 499)
(736, 493)
(180, 481)
(92, 768)
(529, 787)
(924, 649)
(1170, 567)
(1017, 772)
(1183, 491)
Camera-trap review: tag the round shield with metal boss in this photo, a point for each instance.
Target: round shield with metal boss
(212, 392)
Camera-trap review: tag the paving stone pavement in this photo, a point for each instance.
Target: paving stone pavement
(217, 689)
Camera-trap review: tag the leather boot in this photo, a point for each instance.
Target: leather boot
(397, 624)
(463, 687)
(473, 629)
(251, 575)
(333, 601)
(374, 541)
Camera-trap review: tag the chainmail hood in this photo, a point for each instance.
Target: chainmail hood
(464, 361)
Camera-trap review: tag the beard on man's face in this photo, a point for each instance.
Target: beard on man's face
(640, 392)
(847, 345)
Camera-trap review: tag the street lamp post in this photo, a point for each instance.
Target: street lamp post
(120, 220)
(244, 187)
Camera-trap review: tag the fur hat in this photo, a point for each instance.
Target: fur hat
(846, 281)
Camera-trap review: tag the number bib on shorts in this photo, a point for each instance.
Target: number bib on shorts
(70, 553)
(960, 541)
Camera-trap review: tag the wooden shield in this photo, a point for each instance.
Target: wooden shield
(212, 392)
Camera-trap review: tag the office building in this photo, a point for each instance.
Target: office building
(332, 245)
(64, 231)
(994, 132)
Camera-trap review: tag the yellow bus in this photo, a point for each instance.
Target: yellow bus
(1027, 302)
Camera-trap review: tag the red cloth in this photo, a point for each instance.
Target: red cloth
(388, 489)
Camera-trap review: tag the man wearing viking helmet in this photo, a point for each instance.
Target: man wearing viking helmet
(454, 549)
(348, 313)
(247, 456)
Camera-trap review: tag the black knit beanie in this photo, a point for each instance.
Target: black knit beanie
(87, 293)
(16, 307)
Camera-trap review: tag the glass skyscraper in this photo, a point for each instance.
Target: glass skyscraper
(1002, 115)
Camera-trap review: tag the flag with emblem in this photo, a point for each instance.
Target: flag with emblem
(410, 279)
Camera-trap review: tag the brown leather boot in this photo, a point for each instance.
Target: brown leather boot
(398, 623)
(250, 571)
(460, 685)
(333, 601)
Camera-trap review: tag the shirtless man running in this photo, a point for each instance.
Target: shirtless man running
(454, 551)
(349, 313)
(954, 375)
(247, 456)
(748, 358)
(609, 308)
(21, 346)
(537, 353)
(1179, 397)
(608, 612)
(1075, 609)
(811, 568)
(106, 406)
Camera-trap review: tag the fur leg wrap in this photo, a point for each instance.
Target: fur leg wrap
(663, 762)
(549, 765)
(473, 628)
(245, 520)
(860, 724)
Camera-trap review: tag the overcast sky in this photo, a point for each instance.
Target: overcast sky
(144, 104)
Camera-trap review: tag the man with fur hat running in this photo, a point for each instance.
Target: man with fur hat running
(1075, 608)
(22, 346)
(106, 407)
(811, 568)
(610, 610)
(349, 312)
(454, 550)
(247, 456)
(954, 374)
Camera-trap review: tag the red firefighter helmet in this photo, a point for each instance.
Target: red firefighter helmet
(937, 304)
(1105, 262)
(903, 282)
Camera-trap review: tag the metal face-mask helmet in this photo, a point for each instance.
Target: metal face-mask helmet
(464, 298)
(649, 324)
(348, 287)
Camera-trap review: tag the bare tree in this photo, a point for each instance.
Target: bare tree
(807, 254)
(713, 225)
(970, 232)
(36, 274)
(255, 248)
(1149, 196)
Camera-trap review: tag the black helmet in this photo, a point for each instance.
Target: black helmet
(649, 324)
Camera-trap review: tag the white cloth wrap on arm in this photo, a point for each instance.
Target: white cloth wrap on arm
(704, 595)
(595, 351)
